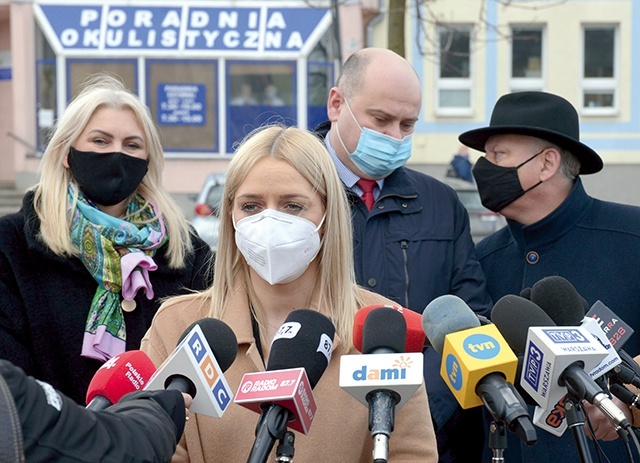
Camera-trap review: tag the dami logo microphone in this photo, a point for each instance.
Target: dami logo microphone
(396, 371)
(399, 372)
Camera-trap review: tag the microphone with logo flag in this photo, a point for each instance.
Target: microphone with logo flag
(196, 366)
(386, 376)
(477, 364)
(118, 376)
(300, 353)
(557, 297)
(555, 360)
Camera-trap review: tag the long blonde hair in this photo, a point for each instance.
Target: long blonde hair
(338, 292)
(50, 199)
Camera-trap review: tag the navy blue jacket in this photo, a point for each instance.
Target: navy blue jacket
(593, 244)
(413, 246)
(45, 299)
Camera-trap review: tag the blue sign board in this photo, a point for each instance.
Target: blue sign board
(195, 26)
(181, 104)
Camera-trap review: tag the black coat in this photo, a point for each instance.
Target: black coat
(142, 427)
(45, 299)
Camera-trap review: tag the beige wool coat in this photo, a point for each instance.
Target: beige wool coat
(339, 432)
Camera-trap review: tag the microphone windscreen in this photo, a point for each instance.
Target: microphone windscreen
(513, 315)
(303, 341)
(526, 293)
(560, 300)
(220, 337)
(384, 328)
(120, 375)
(413, 320)
(446, 314)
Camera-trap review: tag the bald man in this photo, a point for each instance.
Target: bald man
(411, 233)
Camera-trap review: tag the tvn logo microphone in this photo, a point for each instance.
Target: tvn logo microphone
(193, 359)
(361, 374)
(469, 355)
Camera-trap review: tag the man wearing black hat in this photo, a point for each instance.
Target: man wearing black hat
(530, 174)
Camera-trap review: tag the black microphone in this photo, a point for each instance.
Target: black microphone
(560, 300)
(386, 377)
(384, 332)
(511, 313)
(625, 395)
(300, 353)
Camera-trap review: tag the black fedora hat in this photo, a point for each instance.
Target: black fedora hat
(537, 114)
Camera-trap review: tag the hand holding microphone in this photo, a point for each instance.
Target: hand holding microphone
(121, 374)
(477, 364)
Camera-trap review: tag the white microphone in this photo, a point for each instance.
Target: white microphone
(555, 362)
(386, 377)
(207, 348)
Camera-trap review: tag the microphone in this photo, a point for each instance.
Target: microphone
(205, 350)
(560, 300)
(556, 358)
(477, 364)
(386, 376)
(543, 373)
(415, 335)
(616, 329)
(121, 374)
(566, 307)
(300, 353)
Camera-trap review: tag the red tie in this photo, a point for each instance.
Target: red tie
(367, 188)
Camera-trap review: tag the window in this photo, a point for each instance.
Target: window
(599, 73)
(526, 59)
(182, 98)
(453, 83)
(257, 93)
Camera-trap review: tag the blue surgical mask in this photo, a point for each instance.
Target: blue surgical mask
(377, 154)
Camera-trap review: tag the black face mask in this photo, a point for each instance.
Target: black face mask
(499, 186)
(106, 178)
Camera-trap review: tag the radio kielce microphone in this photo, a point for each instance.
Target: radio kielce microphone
(205, 350)
(300, 353)
(477, 364)
(118, 376)
(390, 371)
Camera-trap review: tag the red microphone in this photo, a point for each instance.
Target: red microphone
(120, 375)
(415, 332)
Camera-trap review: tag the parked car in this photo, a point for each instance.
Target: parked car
(482, 221)
(206, 219)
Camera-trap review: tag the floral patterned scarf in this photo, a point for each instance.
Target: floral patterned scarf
(118, 254)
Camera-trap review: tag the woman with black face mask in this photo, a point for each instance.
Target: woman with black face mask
(98, 242)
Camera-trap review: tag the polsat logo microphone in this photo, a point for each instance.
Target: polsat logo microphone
(470, 355)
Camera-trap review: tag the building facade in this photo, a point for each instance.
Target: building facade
(210, 71)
